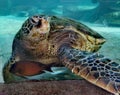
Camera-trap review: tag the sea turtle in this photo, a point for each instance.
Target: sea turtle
(46, 41)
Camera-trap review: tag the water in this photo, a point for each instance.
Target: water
(93, 13)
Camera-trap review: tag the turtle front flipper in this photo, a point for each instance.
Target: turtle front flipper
(7, 75)
(93, 67)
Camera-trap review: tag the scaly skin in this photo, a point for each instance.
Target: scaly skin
(93, 67)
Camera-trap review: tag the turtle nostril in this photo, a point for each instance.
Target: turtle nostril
(36, 16)
(39, 23)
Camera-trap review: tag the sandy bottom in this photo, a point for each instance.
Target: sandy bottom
(63, 87)
(9, 25)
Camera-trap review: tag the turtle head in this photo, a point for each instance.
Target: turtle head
(35, 28)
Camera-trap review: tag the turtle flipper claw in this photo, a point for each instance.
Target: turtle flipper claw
(93, 67)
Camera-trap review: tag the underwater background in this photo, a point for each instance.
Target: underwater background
(102, 16)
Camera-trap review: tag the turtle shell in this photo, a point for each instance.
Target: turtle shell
(87, 39)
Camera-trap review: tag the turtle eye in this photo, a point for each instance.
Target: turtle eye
(40, 16)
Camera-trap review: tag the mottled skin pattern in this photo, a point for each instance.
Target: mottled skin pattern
(52, 41)
(93, 67)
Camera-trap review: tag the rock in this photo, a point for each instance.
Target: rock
(101, 9)
(104, 8)
(66, 87)
(110, 19)
(111, 4)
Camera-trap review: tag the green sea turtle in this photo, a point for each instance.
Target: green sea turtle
(46, 41)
